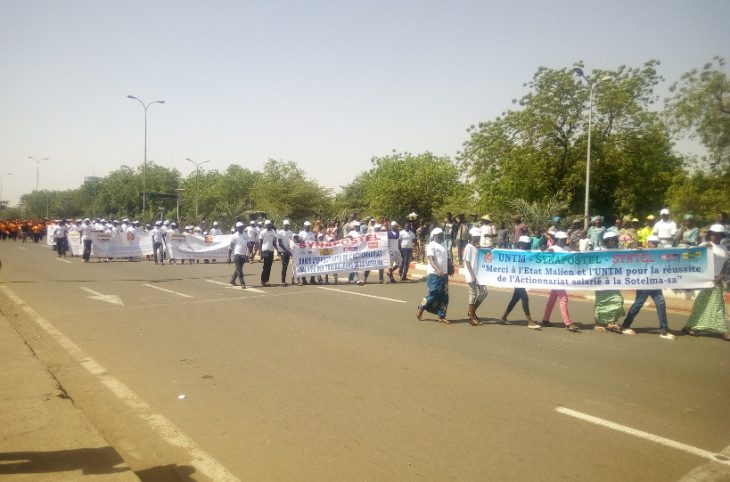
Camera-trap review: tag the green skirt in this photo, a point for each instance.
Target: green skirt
(708, 311)
(609, 307)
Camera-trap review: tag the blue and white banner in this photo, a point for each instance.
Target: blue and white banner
(367, 252)
(597, 270)
(182, 246)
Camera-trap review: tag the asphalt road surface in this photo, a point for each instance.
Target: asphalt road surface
(191, 379)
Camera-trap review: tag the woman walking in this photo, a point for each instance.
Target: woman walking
(609, 305)
(520, 294)
(708, 310)
(560, 239)
(437, 282)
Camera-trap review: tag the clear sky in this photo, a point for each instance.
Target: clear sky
(328, 84)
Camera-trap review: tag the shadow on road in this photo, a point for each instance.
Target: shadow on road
(102, 460)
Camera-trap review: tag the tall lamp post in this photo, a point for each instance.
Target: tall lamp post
(177, 203)
(37, 169)
(197, 173)
(144, 166)
(591, 85)
(1, 185)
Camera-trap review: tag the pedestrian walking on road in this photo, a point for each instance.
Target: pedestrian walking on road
(284, 238)
(477, 292)
(437, 282)
(239, 249)
(708, 311)
(520, 294)
(60, 236)
(86, 230)
(609, 306)
(158, 243)
(561, 238)
(267, 237)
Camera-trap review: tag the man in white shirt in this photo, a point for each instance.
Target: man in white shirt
(267, 237)
(158, 242)
(665, 230)
(253, 234)
(488, 232)
(477, 292)
(284, 237)
(354, 233)
(215, 230)
(85, 230)
(60, 237)
(406, 237)
(394, 249)
(307, 236)
(238, 248)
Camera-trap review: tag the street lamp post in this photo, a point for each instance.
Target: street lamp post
(1, 185)
(591, 85)
(197, 173)
(144, 166)
(37, 169)
(177, 204)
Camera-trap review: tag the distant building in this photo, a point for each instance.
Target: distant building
(91, 179)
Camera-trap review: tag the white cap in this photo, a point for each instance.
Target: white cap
(87, 220)
(239, 224)
(475, 232)
(561, 235)
(524, 239)
(215, 223)
(609, 234)
(167, 221)
(664, 211)
(286, 222)
(437, 231)
(268, 221)
(717, 228)
(393, 223)
(252, 223)
(307, 223)
(158, 223)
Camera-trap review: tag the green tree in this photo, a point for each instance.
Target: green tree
(700, 106)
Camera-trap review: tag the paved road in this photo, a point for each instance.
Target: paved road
(194, 380)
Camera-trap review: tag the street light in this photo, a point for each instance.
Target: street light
(177, 203)
(1, 184)
(37, 169)
(144, 166)
(197, 172)
(591, 84)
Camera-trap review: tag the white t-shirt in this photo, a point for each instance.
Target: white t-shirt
(488, 234)
(157, 235)
(471, 257)
(665, 229)
(406, 239)
(252, 233)
(286, 237)
(85, 230)
(268, 239)
(440, 257)
(720, 256)
(239, 243)
(306, 236)
(215, 231)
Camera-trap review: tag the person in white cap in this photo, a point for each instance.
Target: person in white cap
(561, 238)
(354, 233)
(437, 282)
(520, 294)
(267, 238)
(238, 248)
(665, 229)
(85, 231)
(396, 261)
(215, 230)
(609, 306)
(477, 292)
(158, 243)
(407, 238)
(307, 236)
(285, 237)
(708, 310)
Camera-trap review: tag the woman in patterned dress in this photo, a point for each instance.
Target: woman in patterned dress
(609, 305)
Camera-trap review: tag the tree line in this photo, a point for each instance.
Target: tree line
(531, 156)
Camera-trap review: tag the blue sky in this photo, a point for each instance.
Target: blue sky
(325, 84)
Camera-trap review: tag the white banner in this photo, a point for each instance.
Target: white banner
(75, 244)
(183, 246)
(121, 245)
(367, 252)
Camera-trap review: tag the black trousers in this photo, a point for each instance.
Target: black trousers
(519, 294)
(268, 261)
(87, 249)
(285, 257)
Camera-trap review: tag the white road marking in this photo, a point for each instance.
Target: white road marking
(362, 294)
(167, 430)
(228, 285)
(113, 299)
(167, 291)
(715, 457)
(64, 260)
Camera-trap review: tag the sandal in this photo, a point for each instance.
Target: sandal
(572, 328)
(599, 329)
(444, 321)
(546, 323)
(419, 314)
(614, 328)
(628, 331)
(534, 326)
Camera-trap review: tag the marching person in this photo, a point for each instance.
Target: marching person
(407, 238)
(86, 230)
(238, 248)
(520, 294)
(60, 237)
(665, 229)
(609, 306)
(437, 282)
(659, 302)
(307, 236)
(708, 311)
(158, 236)
(477, 292)
(284, 237)
(252, 232)
(267, 238)
(354, 233)
(560, 246)
(396, 261)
